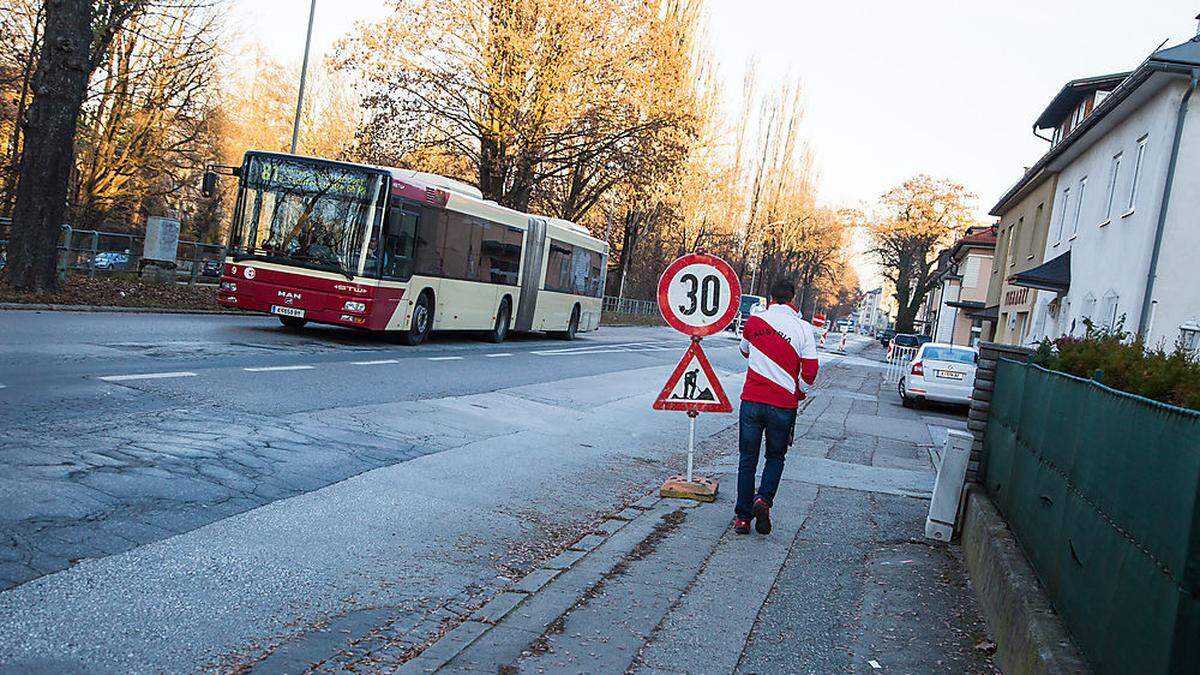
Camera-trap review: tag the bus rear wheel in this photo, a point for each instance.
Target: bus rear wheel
(572, 326)
(292, 322)
(500, 330)
(422, 321)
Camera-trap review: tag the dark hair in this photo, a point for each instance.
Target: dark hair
(782, 291)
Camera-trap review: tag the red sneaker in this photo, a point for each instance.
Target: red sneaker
(741, 526)
(762, 516)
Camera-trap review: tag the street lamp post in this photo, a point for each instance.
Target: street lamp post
(312, 10)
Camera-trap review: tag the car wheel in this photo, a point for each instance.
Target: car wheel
(422, 321)
(904, 399)
(500, 330)
(292, 322)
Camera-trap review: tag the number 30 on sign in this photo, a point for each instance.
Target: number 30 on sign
(699, 294)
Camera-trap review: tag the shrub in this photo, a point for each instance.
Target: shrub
(1114, 358)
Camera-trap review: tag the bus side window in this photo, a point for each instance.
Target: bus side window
(399, 238)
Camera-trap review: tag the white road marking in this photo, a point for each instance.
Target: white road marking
(3, 386)
(591, 348)
(378, 362)
(146, 376)
(496, 356)
(272, 369)
(445, 358)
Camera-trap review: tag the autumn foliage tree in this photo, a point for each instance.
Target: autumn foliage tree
(524, 93)
(913, 222)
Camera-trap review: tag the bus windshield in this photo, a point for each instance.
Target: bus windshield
(305, 213)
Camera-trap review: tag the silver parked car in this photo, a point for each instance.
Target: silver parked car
(939, 372)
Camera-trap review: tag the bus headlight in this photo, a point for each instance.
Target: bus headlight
(353, 306)
(229, 286)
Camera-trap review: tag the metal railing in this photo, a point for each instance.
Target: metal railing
(629, 306)
(94, 252)
(898, 359)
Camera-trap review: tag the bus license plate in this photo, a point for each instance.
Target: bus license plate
(287, 311)
(950, 375)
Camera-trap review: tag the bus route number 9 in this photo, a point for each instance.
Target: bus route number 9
(698, 294)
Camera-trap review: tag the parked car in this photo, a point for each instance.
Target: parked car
(749, 304)
(112, 260)
(212, 268)
(885, 336)
(939, 372)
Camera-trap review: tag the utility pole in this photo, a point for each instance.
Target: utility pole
(312, 10)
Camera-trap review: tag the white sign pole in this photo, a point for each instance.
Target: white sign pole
(691, 442)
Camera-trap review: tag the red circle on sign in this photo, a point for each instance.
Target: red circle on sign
(668, 312)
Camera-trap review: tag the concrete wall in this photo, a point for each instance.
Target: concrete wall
(1030, 636)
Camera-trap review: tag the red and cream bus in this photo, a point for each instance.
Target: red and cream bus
(392, 250)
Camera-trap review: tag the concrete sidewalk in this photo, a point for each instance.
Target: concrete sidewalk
(845, 583)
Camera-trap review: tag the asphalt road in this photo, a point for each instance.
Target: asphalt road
(57, 365)
(182, 491)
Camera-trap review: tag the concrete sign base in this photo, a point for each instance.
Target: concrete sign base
(700, 488)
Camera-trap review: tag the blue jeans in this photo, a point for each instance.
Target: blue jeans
(755, 421)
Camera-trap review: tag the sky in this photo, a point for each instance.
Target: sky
(944, 87)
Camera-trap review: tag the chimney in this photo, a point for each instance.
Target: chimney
(1198, 25)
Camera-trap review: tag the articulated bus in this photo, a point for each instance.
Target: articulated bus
(386, 249)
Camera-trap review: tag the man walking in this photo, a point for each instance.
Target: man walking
(782, 368)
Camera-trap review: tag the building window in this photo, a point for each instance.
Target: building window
(1062, 215)
(1139, 159)
(1013, 234)
(1037, 223)
(1089, 308)
(1189, 338)
(1078, 206)
(971, 272)
(1108, 316)
(1114, 170)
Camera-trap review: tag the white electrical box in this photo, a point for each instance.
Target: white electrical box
(162, 239)
(947, 491)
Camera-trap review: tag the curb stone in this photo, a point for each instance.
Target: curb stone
(1030, 636)
(577, 573)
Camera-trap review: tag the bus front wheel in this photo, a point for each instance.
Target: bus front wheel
(422, 321)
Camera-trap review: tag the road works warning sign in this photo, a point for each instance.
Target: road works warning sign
(693, 386)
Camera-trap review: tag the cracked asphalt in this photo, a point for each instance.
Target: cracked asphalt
(90, 468)
(182, 492)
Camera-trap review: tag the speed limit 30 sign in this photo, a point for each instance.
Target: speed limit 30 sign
(699, 294)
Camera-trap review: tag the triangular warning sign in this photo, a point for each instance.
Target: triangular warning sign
(693, 387)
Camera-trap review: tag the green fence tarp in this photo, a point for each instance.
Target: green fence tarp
(1102, 489)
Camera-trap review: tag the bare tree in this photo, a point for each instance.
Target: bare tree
(77, 35)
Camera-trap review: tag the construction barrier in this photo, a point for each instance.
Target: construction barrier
(898, 359)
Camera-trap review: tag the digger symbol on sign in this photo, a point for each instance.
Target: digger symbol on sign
(693, 387)
(690, 387)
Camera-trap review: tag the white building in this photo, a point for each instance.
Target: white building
(1124, 235)
(871, 316)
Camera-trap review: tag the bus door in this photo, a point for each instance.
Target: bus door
(531, 273)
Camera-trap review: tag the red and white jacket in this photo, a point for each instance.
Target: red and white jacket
(782, 353)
